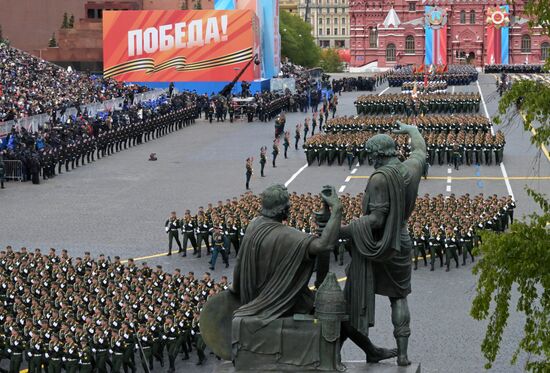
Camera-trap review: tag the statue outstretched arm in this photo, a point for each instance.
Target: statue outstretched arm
(418, 145)
(329, 237)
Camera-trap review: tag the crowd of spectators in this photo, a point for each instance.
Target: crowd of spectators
(31, 86)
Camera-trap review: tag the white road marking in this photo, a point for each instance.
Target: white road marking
(449, 180)
(341, 189)
(295, 175)
(502, 168)
(453, 89)
(449, 170)
(353, 171)
(357, 165)
(348, 179)
(380, 94)
(448, 188)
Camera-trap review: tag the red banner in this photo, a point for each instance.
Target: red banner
(178, 45)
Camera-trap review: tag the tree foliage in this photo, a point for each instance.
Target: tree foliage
(520, 258)
(297, 43)
(65, 23)
(330, 61)
(52, 43)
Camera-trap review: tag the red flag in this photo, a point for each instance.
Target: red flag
(425, 80)
(1, 89)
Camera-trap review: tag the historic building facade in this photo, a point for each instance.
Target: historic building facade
(290, 6)
(385, 34)
(329, 20)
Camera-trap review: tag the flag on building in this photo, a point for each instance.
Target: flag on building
(435, 26)
(498, 41)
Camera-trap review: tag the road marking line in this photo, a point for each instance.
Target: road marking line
(502, 168)
(380, 94)
(295, 175)
(357, 165)
(348, 179)
(353, 171)
(534, 132)
(449, 179)
(449, 170)
(448, 188)
(476, 177)
(453, 90)
(341, 189)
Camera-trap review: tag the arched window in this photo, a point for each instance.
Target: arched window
(472, 17)
(390, 52)
(409, 44)
(545, 51)
(373, 38)
(462, 16)
(525, 44)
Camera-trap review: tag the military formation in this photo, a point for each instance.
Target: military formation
(437, 224)
(453, 74)
(420, 105)
(515, 69)
(434, 86)
(452, 140)
(84, 314)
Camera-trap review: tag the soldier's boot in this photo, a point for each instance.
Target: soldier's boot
(415, 264)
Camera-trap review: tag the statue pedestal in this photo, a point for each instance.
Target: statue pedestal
(354, 367)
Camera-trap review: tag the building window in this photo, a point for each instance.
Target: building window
(373, 38)
(328, 31)
(409, 44)
(328, 21)
(390, 52)
(343, 31)
(335, 31)
(412, 7)
(472, 17)
(525, 44)
(320, 31)
(320, 21)
(335, 21)
(462, 16)
(339, 43)
(545, 51)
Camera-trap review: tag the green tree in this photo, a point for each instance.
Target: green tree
(71, 21)
(297, 43)
(65, 23)
(330, 61)
(520, 258)
(52, 43)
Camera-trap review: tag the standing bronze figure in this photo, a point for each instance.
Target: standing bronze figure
(381, 245)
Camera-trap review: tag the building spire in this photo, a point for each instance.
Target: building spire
(392, 19)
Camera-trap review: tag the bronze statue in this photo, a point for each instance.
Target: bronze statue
(267, 321)
(271, 326)
(381, 248)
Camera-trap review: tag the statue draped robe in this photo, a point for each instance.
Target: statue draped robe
(380, 257)
(271, 276)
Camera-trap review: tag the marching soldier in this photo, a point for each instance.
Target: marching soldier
(434, 243)
(171, 335)
(100, 347)
(54, 354)
(451, 248)
(172, 226)
(70, 354)
(145, 338)
(196, 334)
(297, 136)
(203, 231)
(275, 151)
(86, 356)
(188, 230)
(35, 354)
(419, 245)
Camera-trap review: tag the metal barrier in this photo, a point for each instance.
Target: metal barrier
(13, 170)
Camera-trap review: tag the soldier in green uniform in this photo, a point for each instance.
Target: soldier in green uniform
(196, 334)
(128, 348)
(419, 245)
(35, 353)
(70, 354)
(434, 243)
(117, 351)
(171, 335)
(145, 338)
(263, 159)
(16, 348)
(86, 356)
(451, 248)
(100, 346)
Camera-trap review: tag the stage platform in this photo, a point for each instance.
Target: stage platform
(210, 87)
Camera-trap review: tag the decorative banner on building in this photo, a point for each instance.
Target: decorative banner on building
(435, 35)
(498, 22)
(268, 14)
(224, 4)
(180, 45)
